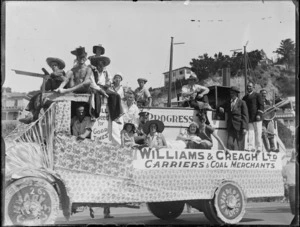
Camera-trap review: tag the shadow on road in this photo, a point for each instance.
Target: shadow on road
(250, 220)
(277, 210)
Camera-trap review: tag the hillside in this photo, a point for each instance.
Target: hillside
(271, 78)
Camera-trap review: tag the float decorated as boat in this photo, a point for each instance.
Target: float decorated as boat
(48, 168)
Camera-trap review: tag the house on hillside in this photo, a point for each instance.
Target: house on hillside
(13, 104)
(177, 74)
(287, 115)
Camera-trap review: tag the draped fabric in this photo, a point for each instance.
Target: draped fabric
(31, 146)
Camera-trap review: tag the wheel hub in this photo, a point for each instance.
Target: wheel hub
(231, 201)
(31, 209)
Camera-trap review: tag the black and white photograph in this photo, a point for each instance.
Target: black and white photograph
(149, 113)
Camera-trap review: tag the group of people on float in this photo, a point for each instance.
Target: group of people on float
(244, 115)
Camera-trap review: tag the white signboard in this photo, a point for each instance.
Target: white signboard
(147, 158)
(100, 128)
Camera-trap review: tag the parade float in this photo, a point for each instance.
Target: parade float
(48, 170)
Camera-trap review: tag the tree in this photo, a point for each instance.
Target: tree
(287, 51)
(206, 66)
(203, 66)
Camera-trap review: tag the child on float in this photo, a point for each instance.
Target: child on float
(189, 136)
(127, 135)
(155, 139)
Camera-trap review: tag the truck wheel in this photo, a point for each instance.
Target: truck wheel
(166, 210)
(229, 203)
(30, 201)
(209, 212)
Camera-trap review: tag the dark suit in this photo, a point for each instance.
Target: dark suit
(237, 121)
(255, 108)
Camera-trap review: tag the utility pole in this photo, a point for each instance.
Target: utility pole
(245, 60)
(170, 71)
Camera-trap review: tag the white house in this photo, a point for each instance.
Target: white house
(13, 104)
(177, 74)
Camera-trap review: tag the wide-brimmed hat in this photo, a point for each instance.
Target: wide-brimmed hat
(234, 88)
(80, 51)
(61, 63)
(96, 59)
(142, 79)
(160, 126)
(118, 74)
(129, 123)
(143, 114)
(193, 76)
(100, 47)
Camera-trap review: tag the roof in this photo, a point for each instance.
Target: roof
(16, 95)
(184, 67)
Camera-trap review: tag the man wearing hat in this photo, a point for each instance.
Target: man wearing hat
(142, 95)
(79, 77)
(237, 122)
(58, 76)
(255, 107)
(98, 50)
(101, 84)
(53, 82)
(141, 135)
(192, 92)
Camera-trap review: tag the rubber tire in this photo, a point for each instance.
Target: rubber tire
(241, 201)
(166, 210)
(25, 189)
(209, 212)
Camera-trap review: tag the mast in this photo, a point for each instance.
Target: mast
(170, 73)
(245, 61)
(170, 70)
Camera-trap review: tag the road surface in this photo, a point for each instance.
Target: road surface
(272, 213)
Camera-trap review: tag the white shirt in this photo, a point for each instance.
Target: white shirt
(195, 88)
(103, 79)
(120, 91)
(233, 102)
(131, 113)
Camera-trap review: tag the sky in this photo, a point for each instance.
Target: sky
(137, 35)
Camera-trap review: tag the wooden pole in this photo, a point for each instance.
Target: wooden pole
(245, 60)
(170, 73)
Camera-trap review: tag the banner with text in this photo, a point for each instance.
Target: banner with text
(147, 158)
(100, 127)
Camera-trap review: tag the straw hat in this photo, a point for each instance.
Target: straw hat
(96, 59)
(118, 74)
(159, 124)
(99, 46)
(129, 123)
(142, 79)
(61, 63)
(79, 52)
(143, 114)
